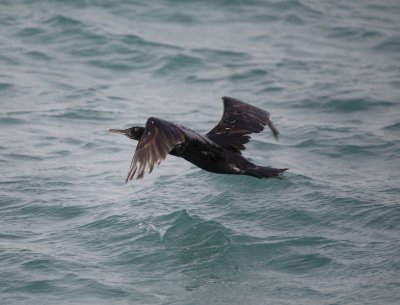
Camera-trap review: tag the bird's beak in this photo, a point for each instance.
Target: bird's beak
(120, 131)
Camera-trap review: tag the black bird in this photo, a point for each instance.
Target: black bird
(219, 151)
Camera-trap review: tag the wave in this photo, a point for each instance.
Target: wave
(175, 64)
(380, 216)
(344, 105)
(72, 231)
(222, 56)
(191, 240)
(5, 86)
(351, 33)
(389, 46)
(393, 127)
(54, 211)
(83, 114)
(193, 244)
(12, 121)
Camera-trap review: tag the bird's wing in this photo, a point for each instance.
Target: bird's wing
(238, 121)
(158, 139)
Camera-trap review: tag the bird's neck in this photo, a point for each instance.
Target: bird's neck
(139, 133)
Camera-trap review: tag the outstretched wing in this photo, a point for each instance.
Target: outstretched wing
(238, 121)
(158, 139)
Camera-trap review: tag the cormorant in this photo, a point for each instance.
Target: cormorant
(219, 151)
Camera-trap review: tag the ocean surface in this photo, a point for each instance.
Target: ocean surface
(72, 231)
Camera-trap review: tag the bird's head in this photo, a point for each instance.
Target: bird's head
(134, 133)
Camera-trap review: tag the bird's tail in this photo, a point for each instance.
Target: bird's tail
(266, 172)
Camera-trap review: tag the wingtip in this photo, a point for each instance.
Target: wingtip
(275, 131)
(228, 98)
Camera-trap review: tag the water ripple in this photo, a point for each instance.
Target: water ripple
(73, 233)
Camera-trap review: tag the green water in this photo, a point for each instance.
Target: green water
(71, 231)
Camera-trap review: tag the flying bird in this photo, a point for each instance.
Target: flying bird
(219, 151)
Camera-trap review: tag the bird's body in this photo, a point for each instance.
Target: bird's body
(219, 162)
(219, 151)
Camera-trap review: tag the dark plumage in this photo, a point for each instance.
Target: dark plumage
(219, 151)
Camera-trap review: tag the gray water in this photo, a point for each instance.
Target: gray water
(71, 230)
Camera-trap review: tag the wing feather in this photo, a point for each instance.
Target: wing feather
(158, 139)
(238, 121)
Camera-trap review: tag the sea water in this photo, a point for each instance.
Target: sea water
(71, 230)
